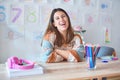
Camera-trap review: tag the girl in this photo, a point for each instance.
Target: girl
(59, 41)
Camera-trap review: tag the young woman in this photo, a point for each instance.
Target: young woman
(59, 41)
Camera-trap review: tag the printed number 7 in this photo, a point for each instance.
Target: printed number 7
(17, 15)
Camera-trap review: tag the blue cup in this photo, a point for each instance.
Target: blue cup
(91, 58)
(91, 62)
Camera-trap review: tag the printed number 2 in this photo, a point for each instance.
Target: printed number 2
(2, 13)
(17, 15)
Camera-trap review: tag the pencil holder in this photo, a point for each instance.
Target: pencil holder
(91, 53)
(91, 63)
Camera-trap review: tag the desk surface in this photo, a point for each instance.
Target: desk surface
(69, 71)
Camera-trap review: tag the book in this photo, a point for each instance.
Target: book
(17, 72)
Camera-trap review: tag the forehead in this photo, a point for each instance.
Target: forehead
(59, 13)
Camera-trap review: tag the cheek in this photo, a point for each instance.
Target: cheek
(67, 23)
(55, 23)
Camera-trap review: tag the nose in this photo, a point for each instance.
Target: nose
(61, 19)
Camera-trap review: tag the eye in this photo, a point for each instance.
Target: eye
(57, 18)
(63, 16)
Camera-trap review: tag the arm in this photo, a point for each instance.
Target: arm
(79, 47)
(76, 53)
(49, 54)
(63, 53)
(68, 55)
(47, 49)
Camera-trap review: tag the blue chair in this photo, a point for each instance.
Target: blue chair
(106, 51)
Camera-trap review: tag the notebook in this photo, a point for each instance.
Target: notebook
(17, 72)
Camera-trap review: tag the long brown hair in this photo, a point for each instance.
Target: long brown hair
(51, 28)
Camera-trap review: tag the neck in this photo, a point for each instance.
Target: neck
(64, 35)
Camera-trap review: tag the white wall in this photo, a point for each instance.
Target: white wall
(116, 26)
(22, 36)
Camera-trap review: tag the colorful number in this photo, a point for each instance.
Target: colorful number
(31, 17)
(2, 13)
(66, 0)
(17, 15)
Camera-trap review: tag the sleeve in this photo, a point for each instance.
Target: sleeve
(48, 53)
(47, 49)
(78, 49)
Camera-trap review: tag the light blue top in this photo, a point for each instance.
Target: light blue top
(48, 46)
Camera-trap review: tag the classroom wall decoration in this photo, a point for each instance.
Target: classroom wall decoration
(90, 19)
(26, 0)
(71, 2)
(2, 13)
(105, 19)
(107, 35)
(17, 14)
(46, 10)
(31, 14)
(23, 22)
(14, 32)
(72, 13)
(89, 3)
(105, 5)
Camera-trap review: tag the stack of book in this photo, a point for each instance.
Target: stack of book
(17, 72)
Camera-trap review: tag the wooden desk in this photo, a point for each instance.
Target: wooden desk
(70, 71)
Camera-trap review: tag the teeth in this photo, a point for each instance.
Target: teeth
(62, 23)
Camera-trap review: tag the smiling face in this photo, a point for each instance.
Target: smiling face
(61, 21)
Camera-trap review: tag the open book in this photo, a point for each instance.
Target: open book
(17, 72)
